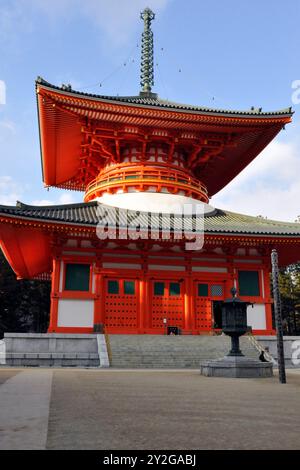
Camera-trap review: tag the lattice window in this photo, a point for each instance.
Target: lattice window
(216, 290)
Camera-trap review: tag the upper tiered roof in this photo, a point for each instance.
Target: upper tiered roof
(152, 99)
(218, 144)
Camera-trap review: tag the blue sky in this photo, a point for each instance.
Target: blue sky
(221, 53)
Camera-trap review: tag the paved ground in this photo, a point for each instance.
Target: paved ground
(146, 409)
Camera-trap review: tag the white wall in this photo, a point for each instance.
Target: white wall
(155, 202)
(75, 313)
(256, 316)
(209, 269)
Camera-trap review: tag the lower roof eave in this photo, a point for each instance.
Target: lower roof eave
(52, 224)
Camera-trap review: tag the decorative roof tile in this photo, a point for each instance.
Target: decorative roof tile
(217, 222)
(152, 100)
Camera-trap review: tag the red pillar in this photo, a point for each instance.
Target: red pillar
(144, 298)
(141, 306)
(98, 312)
(54, 295)
(189, 319)
(147, 304)
(268, 302)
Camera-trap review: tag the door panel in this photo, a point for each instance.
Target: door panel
(205, 292)
(121, 303)
(167, 303)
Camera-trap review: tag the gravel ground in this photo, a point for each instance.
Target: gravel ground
(93, 409)
(146, 409)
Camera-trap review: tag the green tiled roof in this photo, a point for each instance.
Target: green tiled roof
(219, 221)
(152, 100)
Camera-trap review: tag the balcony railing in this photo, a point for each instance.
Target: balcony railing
(142, 178)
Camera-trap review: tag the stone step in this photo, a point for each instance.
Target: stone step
(161, 351)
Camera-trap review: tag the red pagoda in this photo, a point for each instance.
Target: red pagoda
(133, 156)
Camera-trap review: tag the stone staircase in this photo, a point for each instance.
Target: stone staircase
(167, 352)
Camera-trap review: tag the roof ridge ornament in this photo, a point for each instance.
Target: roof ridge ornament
(147, 71)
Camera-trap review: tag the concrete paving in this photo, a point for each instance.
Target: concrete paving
(24, 410)
(147, 409)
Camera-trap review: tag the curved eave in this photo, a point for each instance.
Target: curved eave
(62, 113)
(68, 226)
(150, 103)
(89, 215)
(25, 237)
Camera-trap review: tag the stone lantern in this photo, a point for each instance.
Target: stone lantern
(234, 321)
(235, 364)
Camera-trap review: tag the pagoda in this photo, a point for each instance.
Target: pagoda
(133, 156)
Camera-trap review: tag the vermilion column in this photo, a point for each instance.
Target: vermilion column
(147, 304)
(229, 284)
(268, 302)
(142, 306)
(189, 323)
(99, 291)
(54, 295)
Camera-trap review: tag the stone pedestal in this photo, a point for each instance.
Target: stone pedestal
(236, 367)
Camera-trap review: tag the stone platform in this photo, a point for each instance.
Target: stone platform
(126, 351)
(236, 367)
(55, 350)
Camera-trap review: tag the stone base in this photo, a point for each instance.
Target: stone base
(236, 367)
(55, 350)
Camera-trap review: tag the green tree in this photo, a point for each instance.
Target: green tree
(24, 305)
(289, 286)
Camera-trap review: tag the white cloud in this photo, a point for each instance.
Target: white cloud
(67, 198)
(14, 18)
(10, 191)
(42, 202)
(117, 19)
(64, 198)
(7, 125)
(269, 186)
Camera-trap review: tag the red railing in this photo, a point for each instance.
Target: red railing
(141, 176)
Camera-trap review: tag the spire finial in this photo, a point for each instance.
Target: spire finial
(147, 73)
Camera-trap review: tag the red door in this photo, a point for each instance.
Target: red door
(205, 293)
(167, 306)
(121, 304)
